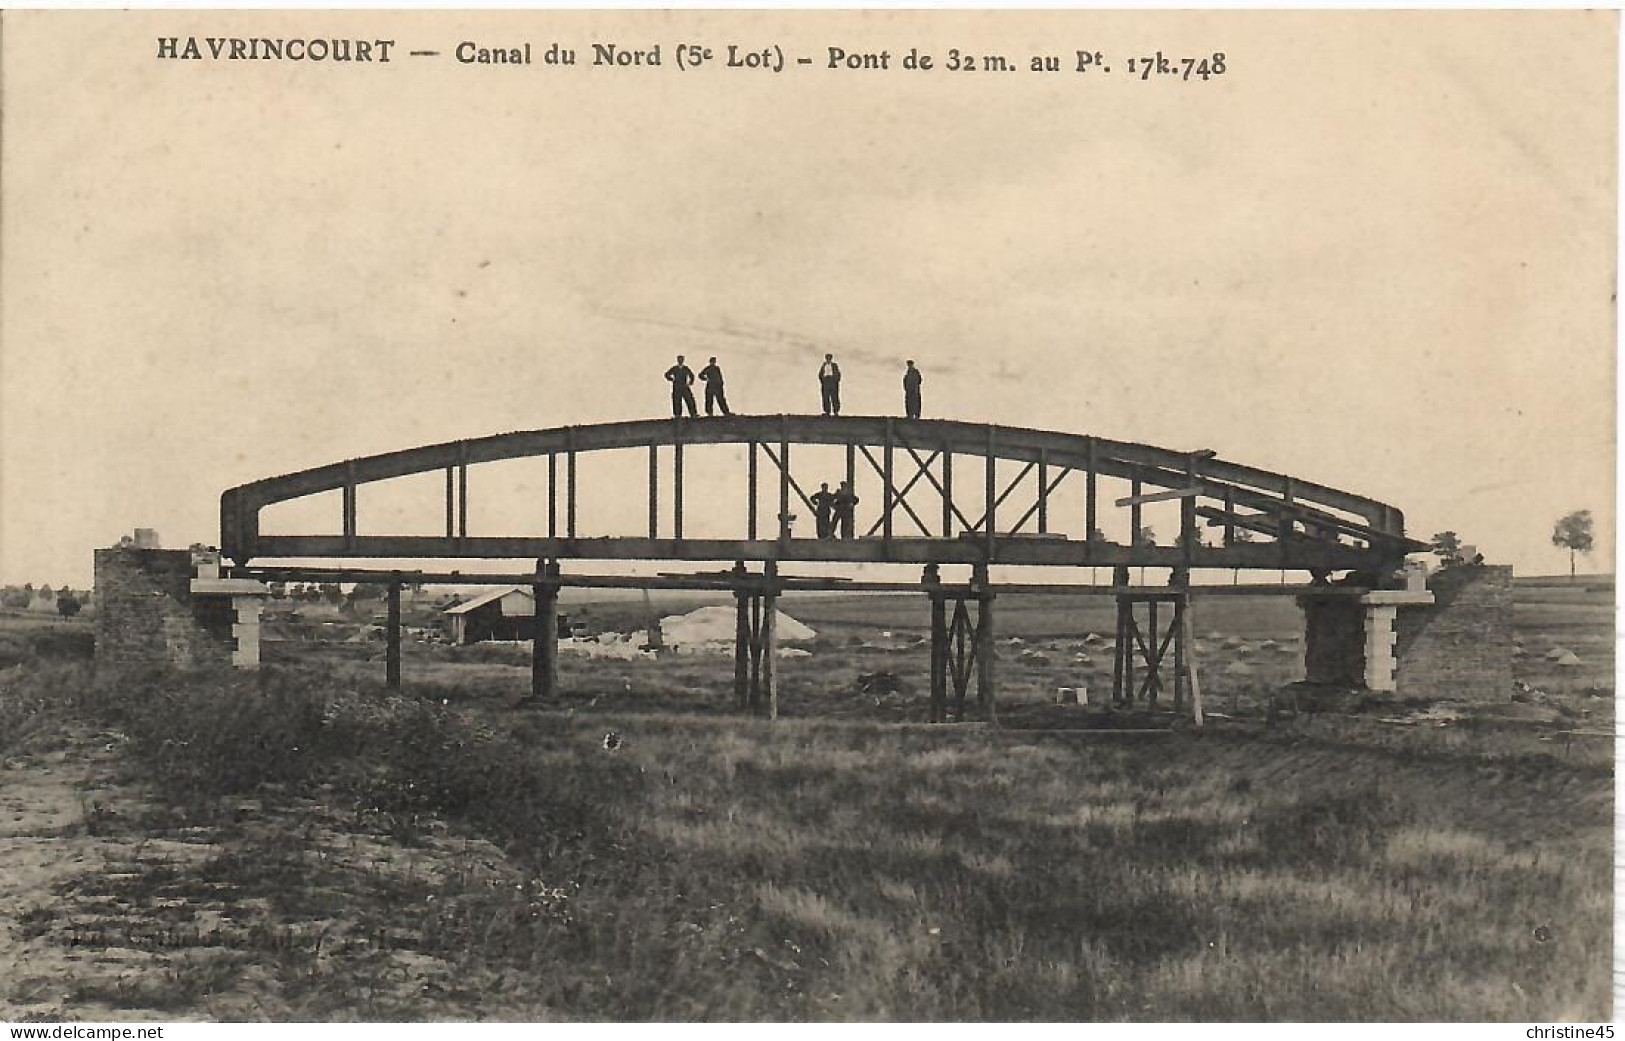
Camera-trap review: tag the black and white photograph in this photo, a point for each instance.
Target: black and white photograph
(808, 516)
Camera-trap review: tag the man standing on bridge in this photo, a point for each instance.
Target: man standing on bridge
(711, 376)
(846, 503)
(829, 382)
(823, 503)
(681, 378)
(911, 390)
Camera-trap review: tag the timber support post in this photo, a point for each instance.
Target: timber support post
(932, 581)
(756, 640)
(1150, 644)
(770, 638)
(392, 634)
(544, 658)
(983, 591)
(743, 635)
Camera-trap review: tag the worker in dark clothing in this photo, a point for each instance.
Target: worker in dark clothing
(829, 383)
(715, 396)
(823, 502)
(846, 502)
(681, 378)
(911, 391)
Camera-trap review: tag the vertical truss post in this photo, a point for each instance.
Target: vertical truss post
(677, 487)
(1187, 515)
(784, 481)
(1090, 495)
(1043, 491)
(654, 491)
(992, 492)
(1229, 516)
(392, 634)
(462, 489)
(570, 483)
(947, 490)
(1136, 487)
(852, 474)
(552, 495)
(888, 478)
(451, 503)
(349, 504)
(750, 495)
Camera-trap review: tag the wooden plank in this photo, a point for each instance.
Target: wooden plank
(1163, 496)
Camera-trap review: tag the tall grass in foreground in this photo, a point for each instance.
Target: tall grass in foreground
(729, 869)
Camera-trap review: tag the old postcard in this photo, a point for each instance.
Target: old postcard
(676, 516)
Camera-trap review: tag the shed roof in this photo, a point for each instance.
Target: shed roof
(488, 596)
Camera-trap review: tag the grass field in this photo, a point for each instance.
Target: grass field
(307, 845)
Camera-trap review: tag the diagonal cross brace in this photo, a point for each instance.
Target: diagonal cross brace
(771, 455)
(898, 498)
(935, 483)
(1043, 494)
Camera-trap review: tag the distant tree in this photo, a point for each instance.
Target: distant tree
(1574, 533)
(11, 596)
(1240, 535)
(1146, 536)
(1098, 537)
(368, 591)
(67, 605)
(45, 592)
(1446, 545)
(331, 592)
(279, 590)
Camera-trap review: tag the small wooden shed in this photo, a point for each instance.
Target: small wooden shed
(504, 613)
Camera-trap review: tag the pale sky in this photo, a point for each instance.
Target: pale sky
(1373, 254)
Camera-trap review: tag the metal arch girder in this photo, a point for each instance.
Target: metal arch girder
(1246, 486)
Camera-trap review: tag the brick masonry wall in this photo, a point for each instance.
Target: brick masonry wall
(144, 610)
(1461, 645)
